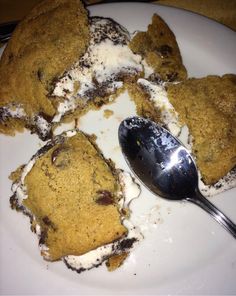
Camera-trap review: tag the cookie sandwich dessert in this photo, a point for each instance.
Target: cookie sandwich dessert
(162, 63)
(67, 61)
(199, 112)
(64, 69)
(46, 42)
(77, 203)
(75, 198)
(160, 51)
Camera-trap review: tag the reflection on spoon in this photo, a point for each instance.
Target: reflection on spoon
(164, 165)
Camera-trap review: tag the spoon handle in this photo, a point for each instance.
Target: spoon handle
(221, 218)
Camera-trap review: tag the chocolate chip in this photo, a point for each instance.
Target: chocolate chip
(124, 212)
(55, 153)
(48, 222)
(66, 91)
(164, 51)
(47, 147)
(104, 198)
(172, 76)
(59, 158)
(40, 75)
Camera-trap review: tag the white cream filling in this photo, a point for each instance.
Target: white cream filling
(12, 111)
(100, 66)
(17, 112)
(19, 187)
(130, 189)
(97, 256)
(158, 95)
(225, 183)
(43, 248)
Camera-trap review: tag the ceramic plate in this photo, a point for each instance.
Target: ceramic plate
(184, 251)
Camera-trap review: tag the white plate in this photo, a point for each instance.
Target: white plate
(184, 250)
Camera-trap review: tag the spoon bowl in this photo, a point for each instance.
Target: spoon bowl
(164, 165)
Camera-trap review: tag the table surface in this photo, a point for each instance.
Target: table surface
(221, 11)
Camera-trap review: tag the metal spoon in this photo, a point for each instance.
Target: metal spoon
(164, 165)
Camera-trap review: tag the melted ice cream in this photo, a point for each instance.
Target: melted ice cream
(101, 70)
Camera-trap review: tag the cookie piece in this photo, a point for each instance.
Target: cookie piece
(115, 261)
(145, 106)
(73, 196)
(72, 193)
(159, 48)
(207, 106)
(46, 43)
